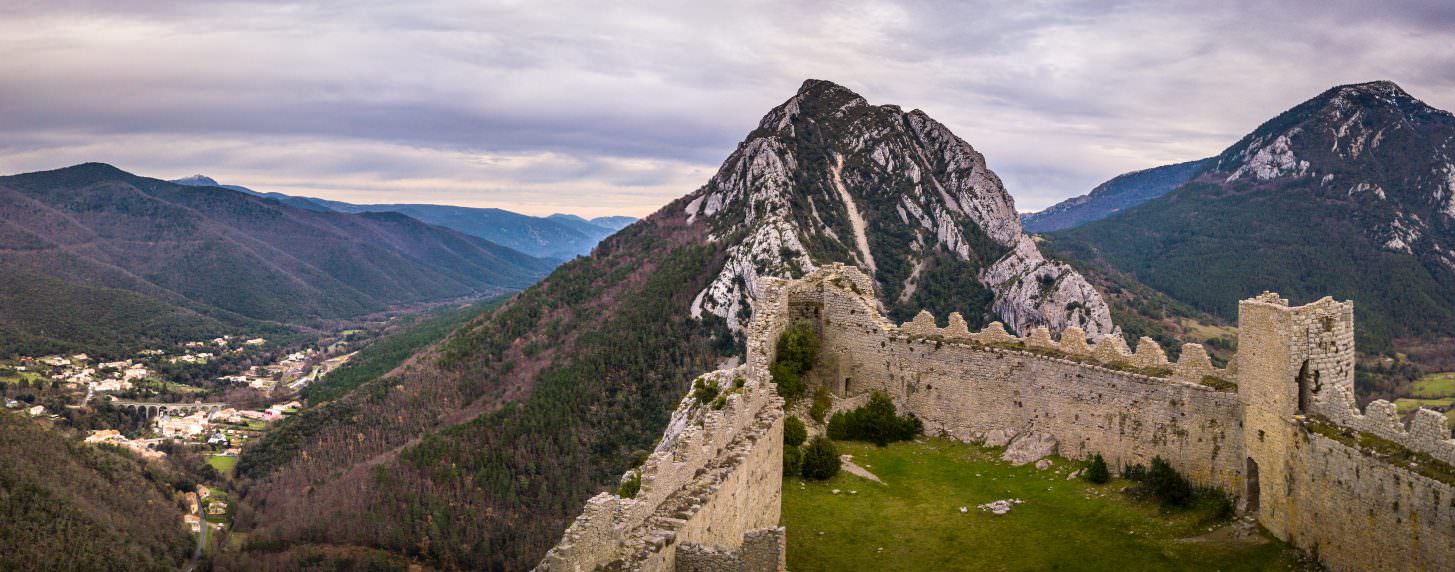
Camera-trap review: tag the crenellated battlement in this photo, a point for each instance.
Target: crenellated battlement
(1111, 352)
(709, 494)
(1427, 431)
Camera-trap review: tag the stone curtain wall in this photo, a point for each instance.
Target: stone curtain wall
(977, 386)
(1355, 511)
(714, 483)
(711, 493)
(1358, 513)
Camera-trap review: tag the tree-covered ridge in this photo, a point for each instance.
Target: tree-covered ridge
(1120, 193)
(478, 452)
(65, 505)
(1347, 195)
(196, 258)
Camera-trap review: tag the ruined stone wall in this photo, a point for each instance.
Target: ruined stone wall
(1353, 509)
(711, 493)
(1359, 513)
(971, 386)
(714, 483)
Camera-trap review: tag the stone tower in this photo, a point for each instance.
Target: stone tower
(1288, 357)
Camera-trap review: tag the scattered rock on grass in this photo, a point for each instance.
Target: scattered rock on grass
(999, 507)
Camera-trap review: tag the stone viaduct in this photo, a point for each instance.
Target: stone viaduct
(1278, 429)
(153, 409)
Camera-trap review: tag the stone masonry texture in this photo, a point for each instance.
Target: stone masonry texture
(711, 493)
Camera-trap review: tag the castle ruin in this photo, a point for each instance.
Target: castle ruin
(1279, 430)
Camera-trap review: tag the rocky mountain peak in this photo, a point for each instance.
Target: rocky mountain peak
(198, 180)
(827, 177)
(1372, 145)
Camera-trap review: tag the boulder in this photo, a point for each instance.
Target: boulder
(999, 437)
(1029, 448)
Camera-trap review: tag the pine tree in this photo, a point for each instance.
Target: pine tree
(820, 459)
(1097, 472)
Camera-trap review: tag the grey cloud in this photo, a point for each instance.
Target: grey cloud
(574, 105)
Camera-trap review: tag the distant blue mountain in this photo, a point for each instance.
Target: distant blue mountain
(560, 236)
(304, 203)
(1120, 193)
(613, 222)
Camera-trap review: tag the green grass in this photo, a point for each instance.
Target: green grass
(1435, 385)
(223, 463)
(13, 376)
(913, 522)
(1406, 405)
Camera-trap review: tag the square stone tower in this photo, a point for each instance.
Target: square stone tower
(1287, 359)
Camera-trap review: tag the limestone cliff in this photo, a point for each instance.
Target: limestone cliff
(827, 177)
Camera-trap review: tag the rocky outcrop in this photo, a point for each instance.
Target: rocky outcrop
(1034, 291)
(827, 177)
(1029, 448)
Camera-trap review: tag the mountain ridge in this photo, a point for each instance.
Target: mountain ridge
(958, 213)
(236, 257)
(555, 236)
(1119, 193)
(504, 428)
(1350, 193)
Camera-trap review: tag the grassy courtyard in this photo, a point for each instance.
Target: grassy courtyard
(913, 521)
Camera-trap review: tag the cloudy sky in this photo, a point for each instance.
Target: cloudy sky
(544, 107)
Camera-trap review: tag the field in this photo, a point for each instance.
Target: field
(1406, 405)
(223, 463)
(913, 521)
(1435, 385)
(12, 376)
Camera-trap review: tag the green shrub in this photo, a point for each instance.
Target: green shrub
(874, 422)
(785, 376)
(820, 459)
(1170, 487)
(797, 351)
(631, 486)
(792, 461)
(822, 401)
(704, 391)
(1134, 472)
(794, 433)
(1097, 472)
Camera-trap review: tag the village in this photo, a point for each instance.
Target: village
(159, 394)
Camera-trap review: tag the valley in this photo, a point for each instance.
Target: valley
(834, 339)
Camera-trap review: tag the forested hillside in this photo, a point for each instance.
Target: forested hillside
(1122, 192)
(1350, 194)
(65, 505)
(523, 413)
(477, 451)
(159, 260)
